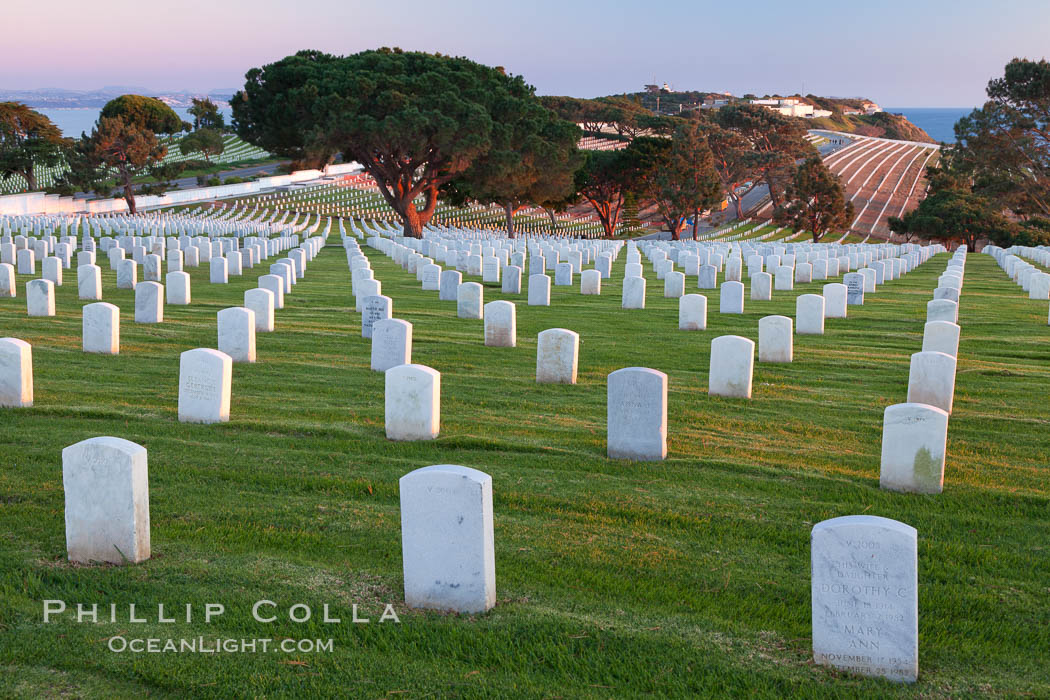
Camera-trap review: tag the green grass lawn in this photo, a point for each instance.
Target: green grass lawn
(688, 577)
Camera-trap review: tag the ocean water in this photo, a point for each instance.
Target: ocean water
(938, 122)
(74, 122)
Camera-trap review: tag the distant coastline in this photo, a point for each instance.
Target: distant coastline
(938, 122)
(73, 121)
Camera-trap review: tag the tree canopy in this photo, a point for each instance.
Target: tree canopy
(207, 142)
(146, 113)
(1004, 147)
(678, 175)
(278, 109)
(735, 163)
(816, 201)
(122, 147)
(28, 140)
(622, 115)
(952, 213)
(533, 160)
(778, 143)
(994, 182)
(206, 114)
(764, 149)
(604, 180)
(414, 121)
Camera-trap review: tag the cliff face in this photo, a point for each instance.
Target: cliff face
(880, 124)
(894, 126)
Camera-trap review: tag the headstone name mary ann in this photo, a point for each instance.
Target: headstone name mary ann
(864, 590)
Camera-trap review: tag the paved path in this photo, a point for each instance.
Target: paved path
(185, 183)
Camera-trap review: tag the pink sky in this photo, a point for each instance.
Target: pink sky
(904, 53)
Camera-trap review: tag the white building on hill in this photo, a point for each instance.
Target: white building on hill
(792, 107)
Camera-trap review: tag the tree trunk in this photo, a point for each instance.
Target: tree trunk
(410, 217)
(773, 197)
(129, 191)
(554, 222)
(508, 208)
(30, 177)
(696, 221)
(738, 201)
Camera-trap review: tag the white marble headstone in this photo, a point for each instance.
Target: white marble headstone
(835, 296)
(931, 379)
(809, 314)
(447, 539)
(732, 366)
(236, 326)
(775, 339)
(391, 344)
(205, 383)
(501, 329)
(260, 302)
(557, 356)
(470, 301)
(633, 294)
(539, 290)
(149, 302)
(731, 298)
(107, 501)
(941, 336)
(914, 443)
(692, 312)
(89, 282)
(40, 297)
(864, 593)
(637, 414)
(376, 308)
(101, 328)
(413, 402)
(16, 373)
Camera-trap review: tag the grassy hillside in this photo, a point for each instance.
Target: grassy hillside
(614, 579)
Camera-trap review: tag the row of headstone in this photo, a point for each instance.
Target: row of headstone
(206, 374)
(1026, 275)
(915, 433)
(204, 379)
(446, 522)
(149, 302)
